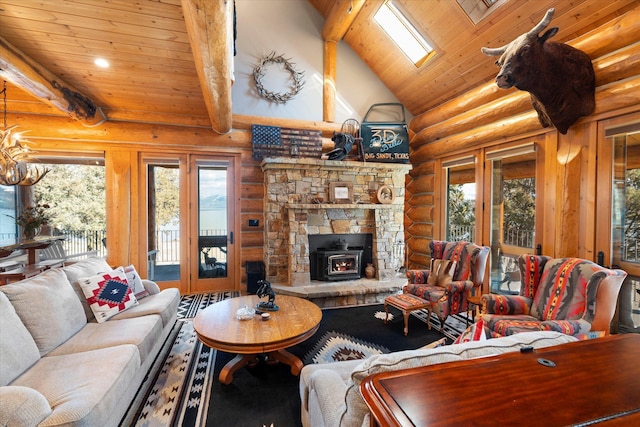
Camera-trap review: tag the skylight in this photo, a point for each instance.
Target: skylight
(403, 33)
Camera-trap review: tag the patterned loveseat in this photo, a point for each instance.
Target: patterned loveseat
(569, 295)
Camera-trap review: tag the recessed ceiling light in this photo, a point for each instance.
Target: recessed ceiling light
(101, 62)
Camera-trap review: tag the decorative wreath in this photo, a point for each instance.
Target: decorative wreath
(296, 78)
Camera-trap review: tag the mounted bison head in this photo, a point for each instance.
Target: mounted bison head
(559, 78)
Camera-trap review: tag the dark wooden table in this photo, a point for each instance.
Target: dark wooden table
(593, 381)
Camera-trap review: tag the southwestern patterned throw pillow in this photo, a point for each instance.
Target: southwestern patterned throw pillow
(108, 294)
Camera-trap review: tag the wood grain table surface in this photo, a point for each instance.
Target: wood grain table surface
(589, 382)
(217, 326)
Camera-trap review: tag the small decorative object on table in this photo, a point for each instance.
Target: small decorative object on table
(245, 313)
(31, 219)
(265, 291)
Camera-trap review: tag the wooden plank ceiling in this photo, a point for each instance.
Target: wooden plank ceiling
(153, 76)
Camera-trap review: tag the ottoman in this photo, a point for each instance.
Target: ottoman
(406, 303)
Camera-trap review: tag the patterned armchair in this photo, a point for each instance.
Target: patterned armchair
(449, 296)
(569, 295)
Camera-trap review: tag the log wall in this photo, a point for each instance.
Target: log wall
(487, 115)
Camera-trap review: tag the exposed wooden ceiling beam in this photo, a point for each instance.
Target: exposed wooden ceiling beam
(341, 16)
(210, 29)
(24, 72)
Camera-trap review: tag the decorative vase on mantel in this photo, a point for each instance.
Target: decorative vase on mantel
(370, 271)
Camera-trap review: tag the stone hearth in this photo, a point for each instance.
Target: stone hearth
(297, 204)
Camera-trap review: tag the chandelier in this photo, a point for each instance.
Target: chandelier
(14, 154)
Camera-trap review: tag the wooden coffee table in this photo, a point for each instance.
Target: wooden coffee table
(295, 321)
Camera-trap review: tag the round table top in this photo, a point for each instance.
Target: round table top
(296, 320)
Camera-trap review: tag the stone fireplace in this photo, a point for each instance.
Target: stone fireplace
(297, 204)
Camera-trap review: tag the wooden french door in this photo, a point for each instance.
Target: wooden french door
(190, 225)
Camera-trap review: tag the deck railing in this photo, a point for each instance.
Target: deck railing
(79, 241)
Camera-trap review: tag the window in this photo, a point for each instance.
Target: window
(74, 187)
(461, 199)
(477, 10)
(403, 33)
(8, 228)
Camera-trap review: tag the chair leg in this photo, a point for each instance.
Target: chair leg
(405, 314)
(442, 324)
(386, 312)
(429, 318)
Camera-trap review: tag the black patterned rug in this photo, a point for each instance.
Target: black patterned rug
(187, 392)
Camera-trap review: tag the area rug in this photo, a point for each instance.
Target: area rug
(190, 304)
(182, 386)
(187, 391)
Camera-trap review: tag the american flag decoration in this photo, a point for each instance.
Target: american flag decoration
(274, 141)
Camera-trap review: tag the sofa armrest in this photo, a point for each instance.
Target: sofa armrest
(459, 286)
(151, 286)
(22, 406)
(327, 391)
(506, 304)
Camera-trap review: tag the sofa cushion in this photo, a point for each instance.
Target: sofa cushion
(87, 388)
(85, 268)
(108, 293)
(442, 271)
(48, 307)
(143, 332)
(164, 304)
(22, 406)
(355, 408)
(18, 350)
(554, 298)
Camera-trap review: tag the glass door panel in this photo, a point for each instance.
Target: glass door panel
(624, 142)
(513, 214)
(164, 240)
(214, 221)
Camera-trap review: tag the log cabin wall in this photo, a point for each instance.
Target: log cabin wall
(486, 116)
(124, 142)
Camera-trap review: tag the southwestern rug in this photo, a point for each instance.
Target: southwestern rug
(186, 391)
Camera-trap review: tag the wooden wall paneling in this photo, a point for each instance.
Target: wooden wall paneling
(613, 97)
(545, 189)
(118, 190)
(439, 200)
(569, 172)
(497, 131)
(421, 199)
(329, 82)
(588, 224)
(606, 39)
(604, 197)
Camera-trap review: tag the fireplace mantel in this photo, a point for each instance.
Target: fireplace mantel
(311, 206)
(291, 187)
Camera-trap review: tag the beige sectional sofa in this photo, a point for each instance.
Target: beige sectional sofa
(330, 392)
(58, 366)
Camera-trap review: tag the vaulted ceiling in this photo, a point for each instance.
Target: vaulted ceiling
(151, 43)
